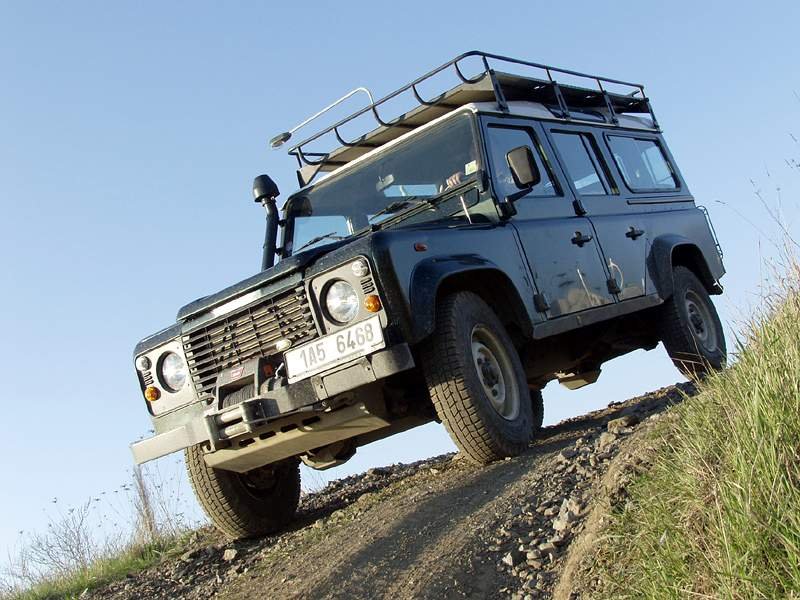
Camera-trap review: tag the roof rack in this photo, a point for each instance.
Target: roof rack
(564, 101)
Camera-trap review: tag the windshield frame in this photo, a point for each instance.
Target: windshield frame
(353, 167)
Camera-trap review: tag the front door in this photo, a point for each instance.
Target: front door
(560, 246)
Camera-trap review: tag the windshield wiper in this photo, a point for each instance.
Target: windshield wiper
(393, 207)
(417, 205)
(333, 235)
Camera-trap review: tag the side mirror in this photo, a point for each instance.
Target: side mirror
(523, 167)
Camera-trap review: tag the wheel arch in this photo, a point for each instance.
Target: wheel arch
(670, 251)
(436, 278)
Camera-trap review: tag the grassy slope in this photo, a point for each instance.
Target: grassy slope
(718, 515)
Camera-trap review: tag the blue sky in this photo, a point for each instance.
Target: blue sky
(130, 134)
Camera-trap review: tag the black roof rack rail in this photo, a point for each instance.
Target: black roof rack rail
(565, 101)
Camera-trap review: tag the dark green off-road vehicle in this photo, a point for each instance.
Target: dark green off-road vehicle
(445, 266)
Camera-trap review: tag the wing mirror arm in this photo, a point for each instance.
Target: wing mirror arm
(526, 175)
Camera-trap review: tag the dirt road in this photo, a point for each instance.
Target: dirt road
(440, 528)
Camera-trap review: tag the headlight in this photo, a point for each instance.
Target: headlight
(173, 371)
(341, 301)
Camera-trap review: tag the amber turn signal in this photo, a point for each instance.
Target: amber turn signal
(151, 394)
(372, 303)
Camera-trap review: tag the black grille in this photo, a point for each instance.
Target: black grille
(246, 333)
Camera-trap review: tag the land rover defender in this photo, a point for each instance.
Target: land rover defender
(444, 266)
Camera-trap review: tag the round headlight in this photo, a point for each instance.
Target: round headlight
(341, 301)
(173, 371)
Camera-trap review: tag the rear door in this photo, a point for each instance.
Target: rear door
(559, 244)
(617, 225)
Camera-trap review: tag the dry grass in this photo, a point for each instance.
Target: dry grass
(718, 516)
(102, 539)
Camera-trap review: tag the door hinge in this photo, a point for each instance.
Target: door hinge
(541, 303)
(613, 286)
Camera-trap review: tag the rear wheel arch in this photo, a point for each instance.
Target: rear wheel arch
(690, 256)
(669, 252)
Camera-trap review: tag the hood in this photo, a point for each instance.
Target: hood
(285, 267)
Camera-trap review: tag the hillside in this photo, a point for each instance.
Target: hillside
(435, 529)
(717, 512)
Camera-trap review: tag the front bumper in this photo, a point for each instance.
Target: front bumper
(220, 428)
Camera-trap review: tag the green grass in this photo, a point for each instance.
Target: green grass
(718, 514)
(103, 571)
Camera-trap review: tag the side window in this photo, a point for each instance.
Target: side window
(582, 163)
(501, 141)
(642, 164)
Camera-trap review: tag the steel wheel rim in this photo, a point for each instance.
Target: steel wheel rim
(701, 323)
(495, 372)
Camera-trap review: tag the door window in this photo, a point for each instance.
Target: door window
(581, 163)
(642, 164)
(501, 141)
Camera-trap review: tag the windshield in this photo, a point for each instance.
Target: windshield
(425, 166)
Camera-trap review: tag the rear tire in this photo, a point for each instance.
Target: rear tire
(690, 327)
(476, 381)
(243, 505)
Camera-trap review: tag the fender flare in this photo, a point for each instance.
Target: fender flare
(429, 275)
(660, 263)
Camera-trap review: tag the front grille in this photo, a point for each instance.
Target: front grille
(244, 334)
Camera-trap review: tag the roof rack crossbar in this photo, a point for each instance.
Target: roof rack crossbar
(609, 103)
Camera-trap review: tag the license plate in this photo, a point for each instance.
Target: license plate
(353, 342)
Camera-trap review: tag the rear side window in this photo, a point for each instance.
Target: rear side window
(581, 163)
(501, 141)
(643, 164)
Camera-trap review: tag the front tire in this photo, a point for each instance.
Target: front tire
(243, 505)
(476, 381)
(690, 327)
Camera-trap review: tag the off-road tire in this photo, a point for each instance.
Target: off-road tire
(457, 390)
(239, 510)
(692, 353)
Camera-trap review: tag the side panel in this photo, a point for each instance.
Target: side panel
(412, 276)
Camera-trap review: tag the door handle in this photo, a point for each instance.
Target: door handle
(580, 239)
(634, 233)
